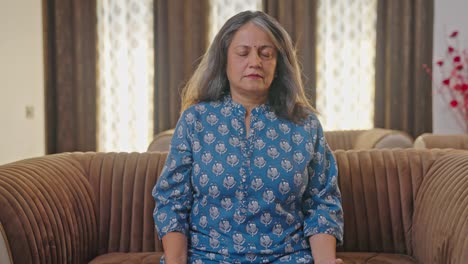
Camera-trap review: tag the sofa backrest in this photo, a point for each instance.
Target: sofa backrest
(71, 207)
(381, 138)
(122, 184)
(379, 189)
(342, 139)
(161, 141)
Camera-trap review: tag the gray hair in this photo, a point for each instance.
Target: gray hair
(286, 93)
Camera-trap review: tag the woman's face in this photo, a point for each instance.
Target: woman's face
(251, 62)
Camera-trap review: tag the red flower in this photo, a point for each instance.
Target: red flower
(453, 82)
(454, 103)
(464, 88)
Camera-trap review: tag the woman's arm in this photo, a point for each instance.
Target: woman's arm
(323, 248)
(173, 195)
(175, 248)
(323, 222)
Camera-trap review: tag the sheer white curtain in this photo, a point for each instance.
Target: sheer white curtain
(345, 62)
(125, 74)
(222, 10)
(345, 52)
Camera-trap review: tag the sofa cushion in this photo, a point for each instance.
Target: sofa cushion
(374, 258)
(348, 257)
(128, 258)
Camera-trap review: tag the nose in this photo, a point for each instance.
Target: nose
(255, 60)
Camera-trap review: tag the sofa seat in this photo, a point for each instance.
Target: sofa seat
(348, 258)
(375, 258)
(128, 258)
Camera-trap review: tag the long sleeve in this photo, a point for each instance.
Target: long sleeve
(173, 191)
(322, 201)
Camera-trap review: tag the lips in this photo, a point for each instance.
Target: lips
(254, 75)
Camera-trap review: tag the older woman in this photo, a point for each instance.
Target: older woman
(249, 177)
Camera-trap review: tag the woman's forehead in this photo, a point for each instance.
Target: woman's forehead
(251, 35)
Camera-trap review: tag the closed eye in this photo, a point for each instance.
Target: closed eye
(267, 52)
(266, 55)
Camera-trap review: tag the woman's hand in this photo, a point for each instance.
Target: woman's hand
(323, 248)
(175, 248)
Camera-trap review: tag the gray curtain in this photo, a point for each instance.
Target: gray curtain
(403, 95)
(180, 39)
(298, 17)
(70, 75)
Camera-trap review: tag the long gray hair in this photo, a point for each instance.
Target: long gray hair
(286, 94)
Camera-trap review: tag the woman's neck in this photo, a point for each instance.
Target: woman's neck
(249, 102)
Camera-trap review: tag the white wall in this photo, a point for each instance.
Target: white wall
(449, 15)
(22, 80)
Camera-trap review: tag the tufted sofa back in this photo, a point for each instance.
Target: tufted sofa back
(379, 189)
(121, 184)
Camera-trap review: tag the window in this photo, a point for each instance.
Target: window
(222, 10)
(125, 75)
(345, 63)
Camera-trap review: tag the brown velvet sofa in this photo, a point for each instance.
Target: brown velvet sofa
(429, 140)
(401, 206)
(339, 139)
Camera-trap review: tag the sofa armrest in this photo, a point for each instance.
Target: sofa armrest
(429, 140)
(440, 230)
(383, 138)
(47, 210)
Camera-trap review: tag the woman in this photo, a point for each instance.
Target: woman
(249, 177)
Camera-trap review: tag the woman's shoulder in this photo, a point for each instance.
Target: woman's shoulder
(312, 125)
(312, 119)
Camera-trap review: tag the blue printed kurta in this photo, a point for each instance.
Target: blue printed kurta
(247, 199)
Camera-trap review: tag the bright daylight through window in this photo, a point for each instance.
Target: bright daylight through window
(345, 63)
(125, 74)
